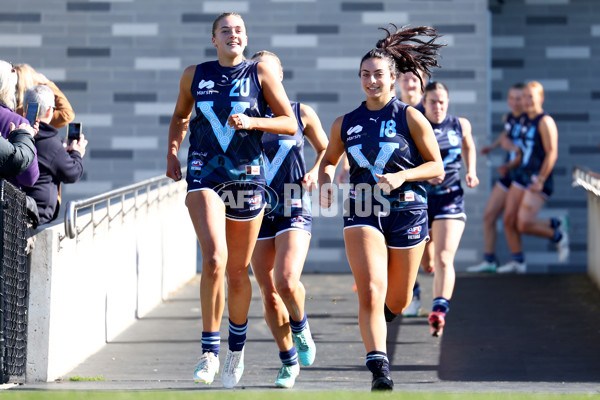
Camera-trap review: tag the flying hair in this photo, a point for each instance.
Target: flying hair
(409, 50)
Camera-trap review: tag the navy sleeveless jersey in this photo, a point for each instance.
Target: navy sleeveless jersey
(449, 137)
(284, 161)
(380, 142)
(219, 153)
(531, 145)
(512, 127)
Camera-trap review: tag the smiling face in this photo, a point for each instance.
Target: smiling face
(229, 36)
(533, 99)
(376, 78)
(436, 105)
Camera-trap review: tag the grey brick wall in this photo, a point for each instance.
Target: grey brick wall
(556, 43)
(119, 62)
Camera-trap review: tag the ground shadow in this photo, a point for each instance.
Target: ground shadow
(542, 328)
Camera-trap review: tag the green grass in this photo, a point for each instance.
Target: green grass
(78, 378)
(277, 395)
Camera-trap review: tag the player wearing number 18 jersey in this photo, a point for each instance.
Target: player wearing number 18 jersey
(390, 148)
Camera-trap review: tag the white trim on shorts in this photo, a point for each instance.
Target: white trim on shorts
(285, 230)
(501, 186)
(450, 216)
(369, 226)
(426, 238)
(541, 193)
(245, 219)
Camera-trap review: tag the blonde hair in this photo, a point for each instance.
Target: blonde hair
(536, 86)
(25, 74)
(8, 83)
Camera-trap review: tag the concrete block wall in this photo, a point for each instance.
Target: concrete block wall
(556, 43)
(119, 63)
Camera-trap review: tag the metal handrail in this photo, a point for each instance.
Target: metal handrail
(73, 207)
(587, 179)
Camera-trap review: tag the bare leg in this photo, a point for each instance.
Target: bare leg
(493, 209)
(527, 223)
(511, 209)
(368, 258)
(403, 267)
(292, 248)
(447, 234)
(241, 238)
(207, 212)
(276, 315)
(428, 260)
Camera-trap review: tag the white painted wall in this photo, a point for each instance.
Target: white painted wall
(593, 237)
(85, 291)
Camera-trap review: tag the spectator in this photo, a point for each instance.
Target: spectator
(8, 82)
(56, 163)
(28, 77)
(18, 152)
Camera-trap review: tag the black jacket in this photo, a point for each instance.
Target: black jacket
(16, 153)
(56, 166)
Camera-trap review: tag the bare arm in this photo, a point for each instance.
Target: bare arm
(180, 122)
(284, 122)
(333, 154)
(549, 137)
(313, 131)
(469, 153)
(424, 138)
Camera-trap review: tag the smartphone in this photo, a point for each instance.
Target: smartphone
(73, 132)
(32, 113)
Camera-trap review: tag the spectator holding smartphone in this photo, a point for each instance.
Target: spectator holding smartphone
(56, 163)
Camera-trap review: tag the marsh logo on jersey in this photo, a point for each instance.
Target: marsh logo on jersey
(206, 85)
(355, 130)
(298, 222)
(414, 232)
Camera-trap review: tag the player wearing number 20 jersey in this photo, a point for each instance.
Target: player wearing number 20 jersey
(221, 158)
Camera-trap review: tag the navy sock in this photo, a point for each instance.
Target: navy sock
(557, 235)
(378, 363)
(289, 357)
(554, 223)
(417, 290)
(237, 336)
(489, 257)
(518, 257)
(298, 326)
(211, 341)
(441, 304)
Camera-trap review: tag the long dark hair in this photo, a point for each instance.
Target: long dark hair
(406, 52)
